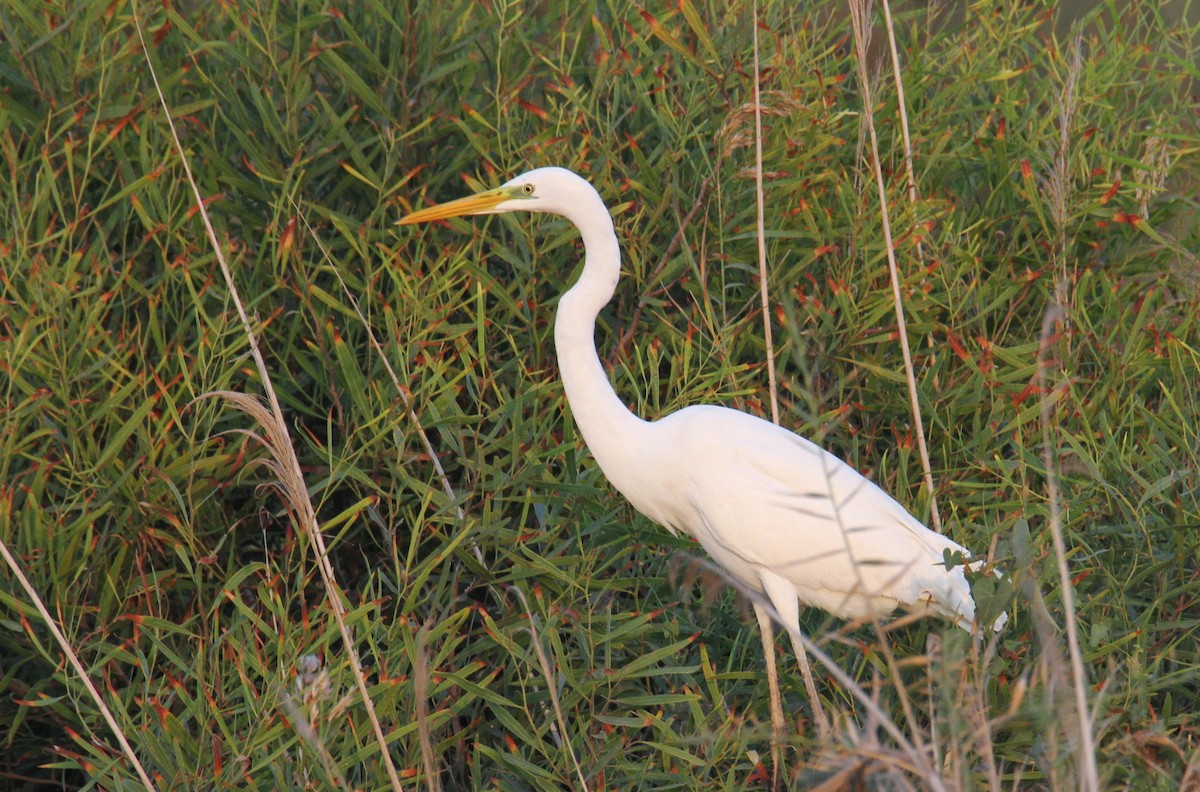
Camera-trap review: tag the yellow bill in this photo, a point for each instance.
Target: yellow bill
(479, 203)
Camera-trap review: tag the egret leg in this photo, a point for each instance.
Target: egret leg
(783, 596)
(823, 728)
(767, 630)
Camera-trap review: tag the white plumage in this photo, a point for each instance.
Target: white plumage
(775, 511)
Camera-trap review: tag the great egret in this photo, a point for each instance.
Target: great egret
(777, 512)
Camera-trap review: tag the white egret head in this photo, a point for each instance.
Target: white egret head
(552, 190)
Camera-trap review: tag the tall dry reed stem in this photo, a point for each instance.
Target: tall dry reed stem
(916, 758)
(1084, 739)
(860, 12)
(764, 619)
(283, 459)
(1057, 187)
(73, 659)
(421, 676)
(375, 345)
(761, 233)
(551, 688)
(901, 104)
(913, 197)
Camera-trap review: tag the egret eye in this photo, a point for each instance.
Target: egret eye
(527, 189)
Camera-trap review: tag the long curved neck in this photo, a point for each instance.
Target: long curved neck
(608, 427)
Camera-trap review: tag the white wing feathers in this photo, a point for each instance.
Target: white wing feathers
(765, 501)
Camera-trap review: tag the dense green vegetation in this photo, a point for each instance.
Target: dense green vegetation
(166, 550)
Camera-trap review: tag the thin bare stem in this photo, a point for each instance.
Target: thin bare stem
(764, 622)
(913, 197)
(901, 105)
(762, 234)
(551, 688)
(635, 318)
(437, 462)
(286, 459)
(766, 630)
(73, 659)
(858, 13)
(1058, 189)
(916, 756)
(1087, 750)
(421, 676)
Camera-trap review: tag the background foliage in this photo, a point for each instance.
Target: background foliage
(174, 567)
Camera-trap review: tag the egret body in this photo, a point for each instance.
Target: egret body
(778, 513)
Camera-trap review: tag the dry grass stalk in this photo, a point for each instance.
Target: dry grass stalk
(282, 461)
(860, 12)
(425, 441)
(764, 620)
(761, 232)
(421, 675)
(907, 754)
(551, 688)
(1085, 743)
(73, 659)
(1057, 187)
